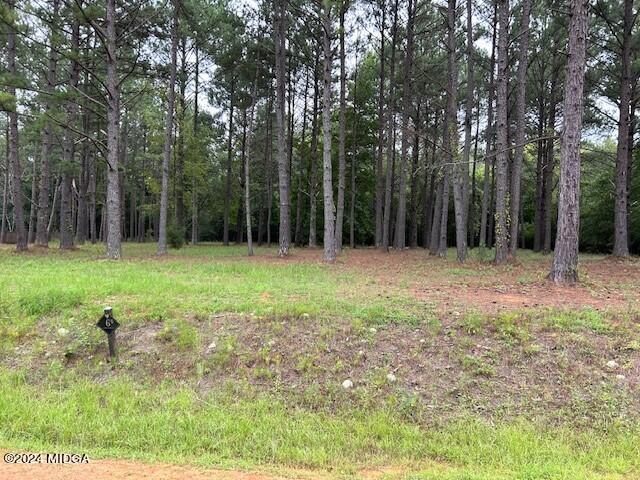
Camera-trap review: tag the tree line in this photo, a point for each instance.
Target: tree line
(415, 122)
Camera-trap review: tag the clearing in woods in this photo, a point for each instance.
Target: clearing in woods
(240, 364)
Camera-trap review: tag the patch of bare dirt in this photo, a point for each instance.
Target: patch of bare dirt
(122, 469)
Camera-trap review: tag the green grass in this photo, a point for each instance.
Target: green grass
(124, 419)
(85, 406)
(201, 281)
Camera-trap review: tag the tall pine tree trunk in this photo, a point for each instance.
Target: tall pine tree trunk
(313, 175)
(229, 174)
(168, 137)
(14, 158)
(283, 165)
(380, 153)
(621, 233)
(342, 164)
(329, 254)
(502, 136)
(565, 259)
(521, 103)
(112, 219)
(488, 152)
(391, 107)
(42, 238)
(450, 140)
(68, 148)
(401, 212)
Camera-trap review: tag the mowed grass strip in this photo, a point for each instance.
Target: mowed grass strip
(123, 419)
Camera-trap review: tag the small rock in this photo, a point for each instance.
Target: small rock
(620, 377)
(422, 340)
(391, 377)
(305, 315)
(612, 364)
(347, 384)
(373, 330)
(211, 347)
(63, 332)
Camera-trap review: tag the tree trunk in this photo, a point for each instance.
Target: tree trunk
(521, 104)
(42, 238)
(415, 194)
(329, 254)
(179, 157)
(549, 167)
(342, 164)
(468, 116)
(565, 260)
(388, 186)
(247, 164)
(68, 147)
(283, 165)
(297, 239)
(381, 102)
(354, 159)
(14, 159)
(194, 186)
(539, 197)
(450, 142)
(33, 203)
(164, 194)
(488, 153)
(502, 134)
(313, 175)
(621, 214)
(401, 212)
(5, 191)
(227, 190)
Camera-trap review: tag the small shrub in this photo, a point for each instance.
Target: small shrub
(175, 236)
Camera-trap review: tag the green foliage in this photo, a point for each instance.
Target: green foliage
(181, 333)
(175, 236)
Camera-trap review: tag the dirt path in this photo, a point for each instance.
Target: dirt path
(110, 469)
(122, 469)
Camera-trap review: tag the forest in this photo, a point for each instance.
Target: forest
(388, 123)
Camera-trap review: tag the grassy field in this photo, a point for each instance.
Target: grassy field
(459, 372)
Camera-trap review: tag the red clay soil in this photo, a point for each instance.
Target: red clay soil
(129, 470)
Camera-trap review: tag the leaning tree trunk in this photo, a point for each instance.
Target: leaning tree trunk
(488, 152)
(502, 134)
(565, 260)
(168, 130)
(621, 234)
(327, 174)
(14, 159)
(284, 179)
(521, 87)
(401, 212)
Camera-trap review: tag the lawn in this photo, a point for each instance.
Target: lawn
(458, 371)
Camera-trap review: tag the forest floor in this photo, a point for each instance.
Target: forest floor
(451, 371)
